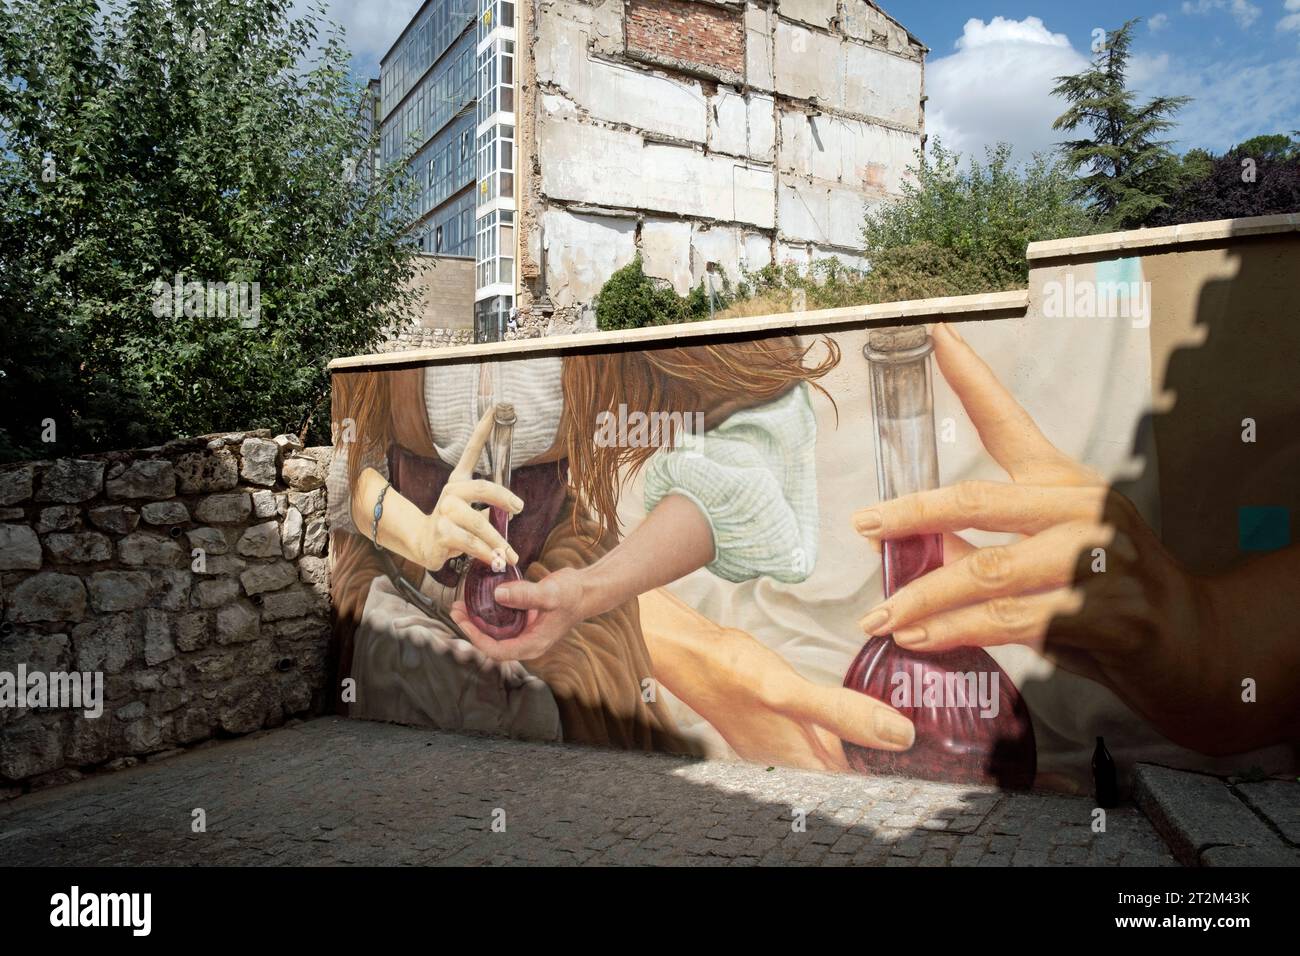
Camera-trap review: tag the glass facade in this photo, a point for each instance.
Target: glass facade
(494, 244)
(437, 26)
(447, 90)
(448, 86)
(449, 231)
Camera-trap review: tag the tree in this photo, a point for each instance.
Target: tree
(192, 143)
(1275, 147)
(1234, 186)
(1128, 172)
(983, 214)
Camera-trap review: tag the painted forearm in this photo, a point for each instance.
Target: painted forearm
(402, 524)
(674, 540)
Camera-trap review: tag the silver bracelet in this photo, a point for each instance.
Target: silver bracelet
(379, 511)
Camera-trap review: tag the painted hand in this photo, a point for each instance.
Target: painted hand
(1141, 626)
(454, 527)
(554, 606)
(763, 708)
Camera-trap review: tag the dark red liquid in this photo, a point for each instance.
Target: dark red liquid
(955, 742)
(493, 619)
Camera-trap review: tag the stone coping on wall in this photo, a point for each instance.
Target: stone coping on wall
(1215, 231)
(965, 307)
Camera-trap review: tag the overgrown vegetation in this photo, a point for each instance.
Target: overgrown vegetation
(630, 299)
(958, 229)
(983, 213)
(159, 141)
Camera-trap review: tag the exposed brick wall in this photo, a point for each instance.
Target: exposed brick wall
(687, 34)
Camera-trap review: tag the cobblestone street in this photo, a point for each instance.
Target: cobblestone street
(333, 791)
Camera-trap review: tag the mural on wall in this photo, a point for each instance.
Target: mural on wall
(870, 550)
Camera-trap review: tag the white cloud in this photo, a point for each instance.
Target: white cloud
(1292, 20)
(372, 26)
(1243, 11)
(1232, 100)
(1158, 22)
(998, 86)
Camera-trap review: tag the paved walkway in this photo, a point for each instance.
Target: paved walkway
(336, 791)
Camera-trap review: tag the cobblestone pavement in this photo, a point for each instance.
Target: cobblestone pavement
(333, 791)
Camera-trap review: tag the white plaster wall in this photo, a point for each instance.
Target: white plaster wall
(614, 92)
(590, 164)
(666, 251)
(742, 125)
(821, 213)
(703, 173)
(582, 251)
(847, 75)
(715, 244)
(756, 249)
(847, 151)
(758, 47)
(819, 13)
(862, 21)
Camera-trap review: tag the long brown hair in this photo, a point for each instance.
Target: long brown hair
(361, 418)
(684, 380)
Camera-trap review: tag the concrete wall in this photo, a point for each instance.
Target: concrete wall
(1217, 332)
(705, 133)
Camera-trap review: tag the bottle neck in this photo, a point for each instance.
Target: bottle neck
(907, 457)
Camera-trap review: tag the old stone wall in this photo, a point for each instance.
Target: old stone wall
(192, 576)
(710, 136)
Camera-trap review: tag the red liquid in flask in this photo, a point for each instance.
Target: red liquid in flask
(495, 620)
(954, 741)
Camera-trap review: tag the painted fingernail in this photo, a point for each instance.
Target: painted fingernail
(909, 636)
(517, 503)
(868, 521)
(502, 593)
(894, 729)
(514, 556)
(952, 330)
(874, 621)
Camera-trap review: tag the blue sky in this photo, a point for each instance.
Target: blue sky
(991, 64)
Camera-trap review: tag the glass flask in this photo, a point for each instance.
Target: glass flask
(971, 724)
(481, 579)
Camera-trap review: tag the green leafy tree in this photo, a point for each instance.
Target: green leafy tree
(1274, 147)
(972, 221)
(1127, 172)
(205, 141)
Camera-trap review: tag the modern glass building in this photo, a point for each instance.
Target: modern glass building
(447, 88)
(427, 96)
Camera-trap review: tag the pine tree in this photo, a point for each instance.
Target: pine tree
(1126, 171)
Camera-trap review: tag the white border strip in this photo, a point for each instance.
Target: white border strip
(1216, 230)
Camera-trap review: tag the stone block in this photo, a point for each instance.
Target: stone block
(48, 596)
(71, 480)
(79, 548)
(143, 479)
(20, 549)
(119, 590)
